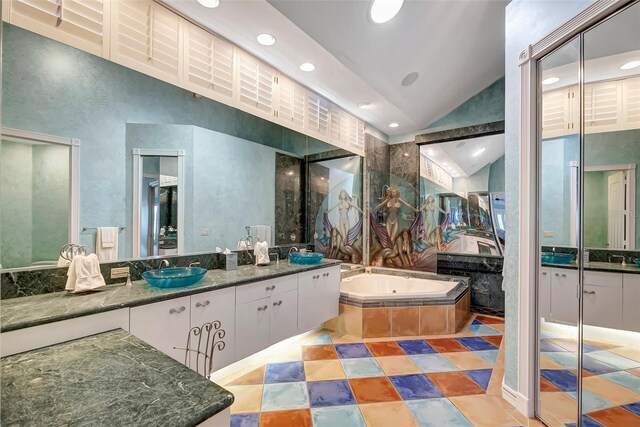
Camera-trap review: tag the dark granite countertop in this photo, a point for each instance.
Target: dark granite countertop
(110, 379)
(599, 266)
(24, 312)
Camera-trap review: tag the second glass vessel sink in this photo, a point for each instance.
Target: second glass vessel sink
(556, 258)
(305, 257)
(175, 277)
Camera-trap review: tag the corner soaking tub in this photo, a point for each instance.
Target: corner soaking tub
(369, 287)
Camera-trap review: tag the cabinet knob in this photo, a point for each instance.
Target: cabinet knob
(177, 310)
(564, 275)
(544, 273)
(589, 292)
(557, 275)
(275, 304)
(325, 275)
(316, 277)
(263, 308)
(203, 304)
(270, 288)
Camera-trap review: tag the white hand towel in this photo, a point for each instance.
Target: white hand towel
(71, 274)
(107, 243)
(88, 276)
(261, 252)
(63, 262)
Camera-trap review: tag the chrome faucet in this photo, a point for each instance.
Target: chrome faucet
(292, 249)
(620, 257)
(194, 263)
(277, 257)
(164, 263)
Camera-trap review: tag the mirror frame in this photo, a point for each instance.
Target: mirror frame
(74, 172)
(138, 154)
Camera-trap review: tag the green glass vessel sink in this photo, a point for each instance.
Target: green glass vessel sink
(306, 258)
(556, 258)
(176, 277)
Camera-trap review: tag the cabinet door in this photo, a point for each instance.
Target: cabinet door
(82, 24)
(164, 325)
(309, 304)
(208, 307)
(317, 124)
(146, 37)
(208, 64)
(544, 294)
(556, 113)
(256, 81)
(329, 293)
(564, 295)
(252, 327)
(631, 103)
(602, 306)
(284, 316)
(291, 103)
(603, 107)
(630, 300)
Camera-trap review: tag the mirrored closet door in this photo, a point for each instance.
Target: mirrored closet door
(588, 299)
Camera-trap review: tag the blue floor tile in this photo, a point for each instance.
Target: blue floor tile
(566, 360)
(476, 322)
(412, 387)
(361, 367)
(245, 420)
(588, 348)
(488, 355)
(330, 393)
(334, 416)
(597, 367)
(591, 402)
(284, 396)
(480, 376)
(416, 347)
(347, 351)
(590, 422)
(287, 372)
(437, 412)
(320, 339)
(564, 380)
(613, 359)
(633, 407)
(547, 345)
(476, 343)
(483, 330)
(430, 363)
(625, 379)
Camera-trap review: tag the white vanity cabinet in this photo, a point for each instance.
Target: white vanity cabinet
(544, 293)
(602, 299)
(164, 325)
(266, 313)
(631, 302)
(318, 297)
(211, 306)
(564, 295)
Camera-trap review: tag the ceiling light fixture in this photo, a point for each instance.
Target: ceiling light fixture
(308, 67)
(384, 10)
(211, 4)
(393, 125)
(550, 80)
(364, 105)
(630, 65)
(431, 152)
(410, 79)
(266, 39)
(290, 173)
(477, 153)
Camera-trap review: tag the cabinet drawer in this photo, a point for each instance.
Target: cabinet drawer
(602, 306)
(600, 278)
(266, 288)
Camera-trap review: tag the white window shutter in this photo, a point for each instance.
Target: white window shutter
(256, 82)
(603, 107)
(631, 103)
(317, 124)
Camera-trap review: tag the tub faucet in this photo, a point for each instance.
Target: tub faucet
(164, 263)
(277, 257)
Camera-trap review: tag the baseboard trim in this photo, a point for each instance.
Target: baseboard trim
(518, 401)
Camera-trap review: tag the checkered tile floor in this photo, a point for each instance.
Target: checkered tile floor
(341, 382)
(611, 382)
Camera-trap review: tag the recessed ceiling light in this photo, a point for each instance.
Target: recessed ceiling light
(431, 152)
(393, 125)
(630, 65)
(308, 67)
(406, 154)
(266, 39)
(364, 105)
(209, 3)
(410, 79)
(445, 164)
(384, 10)
(550, 80)
(477, 153)
(290, 173)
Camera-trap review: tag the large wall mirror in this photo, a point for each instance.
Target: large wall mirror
(588, 327)
(462, 195)
(175, 172)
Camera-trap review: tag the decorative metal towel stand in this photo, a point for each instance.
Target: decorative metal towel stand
(202, 341)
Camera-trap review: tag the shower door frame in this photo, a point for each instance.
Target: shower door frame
(524, 398)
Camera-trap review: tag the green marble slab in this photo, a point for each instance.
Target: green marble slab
(110, 379)
(599, 266)
(24, 312)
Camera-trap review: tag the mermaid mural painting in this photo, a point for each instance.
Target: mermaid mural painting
(341, 240)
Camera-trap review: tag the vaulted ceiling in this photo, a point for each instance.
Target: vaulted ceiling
(456, 47)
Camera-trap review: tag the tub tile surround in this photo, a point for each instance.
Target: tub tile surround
(403, 317)
(485, 279)
(120, 371)
(418, 381)
(17, 313)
